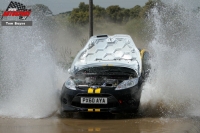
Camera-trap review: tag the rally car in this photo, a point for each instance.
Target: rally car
(106, 76)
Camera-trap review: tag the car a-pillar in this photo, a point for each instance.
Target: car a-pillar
(145, 57)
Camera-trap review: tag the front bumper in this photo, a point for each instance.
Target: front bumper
(119, 101)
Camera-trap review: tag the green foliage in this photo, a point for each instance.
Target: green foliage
(83, 7)
(135, 12)
(126, 14)
(79, 17)
(99, 13)
(113, 13)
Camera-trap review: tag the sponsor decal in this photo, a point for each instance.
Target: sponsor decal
(16, 9)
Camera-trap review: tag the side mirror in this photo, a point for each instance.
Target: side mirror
(146, 66)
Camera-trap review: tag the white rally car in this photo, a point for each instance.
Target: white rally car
(106, 76)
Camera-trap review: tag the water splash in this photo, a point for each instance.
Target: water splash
(173, 88)
(29, 76)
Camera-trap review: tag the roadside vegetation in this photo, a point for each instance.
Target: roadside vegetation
(110, 20)
(114, 19)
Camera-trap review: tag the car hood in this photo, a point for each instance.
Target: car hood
(116, 50)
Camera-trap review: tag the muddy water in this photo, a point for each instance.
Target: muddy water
(134, 125)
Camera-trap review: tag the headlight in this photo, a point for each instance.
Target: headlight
(70, 84)
(127, 84)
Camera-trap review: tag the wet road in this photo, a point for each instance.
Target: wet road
(74, 125)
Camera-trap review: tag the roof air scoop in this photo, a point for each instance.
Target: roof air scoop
(99, 36)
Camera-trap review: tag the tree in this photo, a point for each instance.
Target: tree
(83, 7)
(114, 13)
(99, 13)
(135, 12)
(125, 14)
(80, 15)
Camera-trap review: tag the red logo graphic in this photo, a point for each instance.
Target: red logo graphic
(17, 9)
